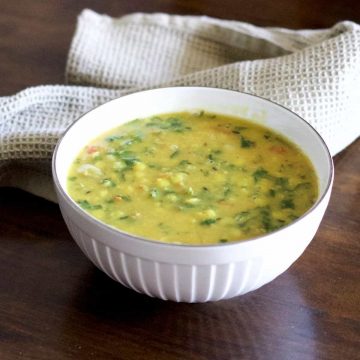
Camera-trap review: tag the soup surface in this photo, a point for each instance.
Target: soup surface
(193, 179)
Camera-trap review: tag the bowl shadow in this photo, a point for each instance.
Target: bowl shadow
(258, 325)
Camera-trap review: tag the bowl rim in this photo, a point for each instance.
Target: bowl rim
(148, 241)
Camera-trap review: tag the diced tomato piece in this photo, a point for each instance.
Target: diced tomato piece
(278, 149)
(91, 149)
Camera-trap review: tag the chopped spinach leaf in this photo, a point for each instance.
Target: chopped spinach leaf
(242, 218)
(87, 206)
(154, 166)
(126, 198)
(259, 174)
(184, 162)
(113, 138)
(238, 129)
(282, 182)
(227, 190)
(272, 193)
(108, 183)
(266, 219)
(211, 156)
(287, 204)
(175, 153)
(267, 136)
(186, 205)
(124, 217)
(130, 162)
(246, 143)
(208, 222)
(128, 157)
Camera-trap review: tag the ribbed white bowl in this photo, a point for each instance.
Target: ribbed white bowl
(180, 272)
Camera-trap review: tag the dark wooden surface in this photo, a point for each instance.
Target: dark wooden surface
(55, 305)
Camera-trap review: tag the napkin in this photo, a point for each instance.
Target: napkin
(315, 73)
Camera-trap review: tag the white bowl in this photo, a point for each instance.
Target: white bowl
(183, 272)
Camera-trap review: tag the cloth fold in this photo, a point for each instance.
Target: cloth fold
(315, 73)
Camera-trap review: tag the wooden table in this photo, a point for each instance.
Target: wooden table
(54, 304)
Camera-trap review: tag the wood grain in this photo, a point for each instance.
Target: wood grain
(54, 304)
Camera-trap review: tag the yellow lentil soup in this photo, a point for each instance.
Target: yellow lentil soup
(193, 178)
